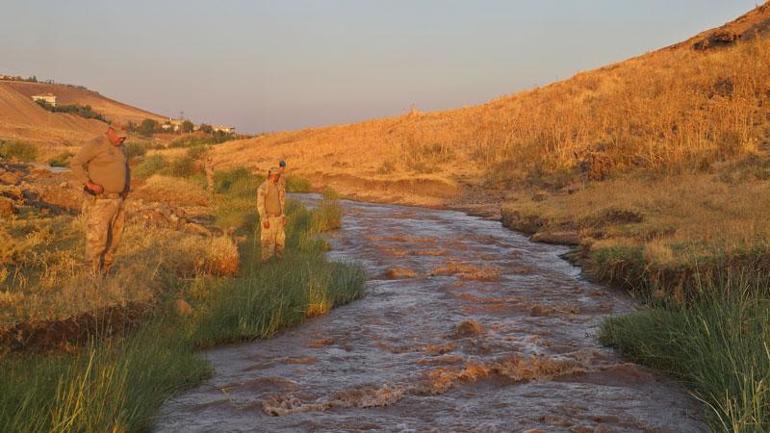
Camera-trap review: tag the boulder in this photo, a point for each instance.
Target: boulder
(468, 328)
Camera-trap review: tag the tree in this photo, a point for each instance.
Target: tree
(206, 128)
(147, 127)
(187, 126)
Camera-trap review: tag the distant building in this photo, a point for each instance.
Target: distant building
(223, 128)
(48, 98)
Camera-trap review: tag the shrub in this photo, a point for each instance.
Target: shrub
(147, 127)
(196, 152)
(182, 167)
(135, 149)
(151, 165)
(19, 150)
(61, 160)
(297, 184)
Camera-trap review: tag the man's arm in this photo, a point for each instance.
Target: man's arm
(261, 194)
(79, 161)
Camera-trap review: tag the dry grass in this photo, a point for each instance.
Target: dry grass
(675, 110)
(42, 276)
(667, 227)
(170, 189)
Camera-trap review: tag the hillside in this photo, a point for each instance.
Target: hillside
(679, 109)
(66, 95)
(23, 119)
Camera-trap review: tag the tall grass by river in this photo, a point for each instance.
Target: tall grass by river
(117, 385)
(717, 345)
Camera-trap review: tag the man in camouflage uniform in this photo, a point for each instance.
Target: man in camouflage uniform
(208, 167)
(282, 173)
(271, 203)
(102, 167)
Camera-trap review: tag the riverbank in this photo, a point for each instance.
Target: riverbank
(118, 378)
(695, 249)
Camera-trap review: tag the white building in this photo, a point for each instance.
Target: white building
(223, 128)
(49, 98)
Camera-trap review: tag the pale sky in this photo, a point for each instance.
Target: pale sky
(286, 64)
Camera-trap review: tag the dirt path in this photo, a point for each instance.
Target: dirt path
(467, 327)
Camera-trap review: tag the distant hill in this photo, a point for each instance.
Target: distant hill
(23, 119)
(681, 108)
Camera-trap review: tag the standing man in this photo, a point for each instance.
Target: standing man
(271, 200)
(102, 167)
(282, 172)
(208, 167)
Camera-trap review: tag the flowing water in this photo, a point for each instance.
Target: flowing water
(466, 327)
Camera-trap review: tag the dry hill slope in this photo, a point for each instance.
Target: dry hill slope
(22, 119)
(66, 95)
(681, 108)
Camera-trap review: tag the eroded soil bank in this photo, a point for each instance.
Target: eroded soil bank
(466, 327)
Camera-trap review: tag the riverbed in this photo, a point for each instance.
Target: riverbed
(466, 327)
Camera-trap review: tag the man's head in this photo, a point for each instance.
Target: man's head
(273, 174)
(282, 165)
(116, 134)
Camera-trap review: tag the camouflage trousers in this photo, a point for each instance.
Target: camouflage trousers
(104, 219)
(273, 239)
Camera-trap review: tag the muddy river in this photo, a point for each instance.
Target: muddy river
(466, 327)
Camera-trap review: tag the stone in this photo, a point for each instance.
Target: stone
(399, 273)
(468, 328)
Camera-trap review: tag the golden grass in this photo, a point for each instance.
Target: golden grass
(675, 110)
(175, 190)
(42, 276)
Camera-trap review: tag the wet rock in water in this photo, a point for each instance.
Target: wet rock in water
(468, 328)
(6, 207)
(540, 310)
(557, 238)
(399, 273)
(603, 429)
(534, 430)
(183, 308)
(581, 429)
(321, 342)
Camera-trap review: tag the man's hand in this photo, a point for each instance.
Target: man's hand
(283, 220)
(266, 224)
(94, 187)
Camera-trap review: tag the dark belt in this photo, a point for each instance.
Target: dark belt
(104, 194)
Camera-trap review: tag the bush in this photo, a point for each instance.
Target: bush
(135, 149)
(153, 164)
(181, 167)
(19, 150)
(147, 127)
(80, 110)
(187, 127)
(196, 152)
(297, 184)
(61, 160)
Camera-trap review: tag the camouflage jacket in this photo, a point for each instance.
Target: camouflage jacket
(262, 196)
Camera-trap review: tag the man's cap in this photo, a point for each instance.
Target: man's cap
(272, 170)
(282, 163)
(119, 130)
